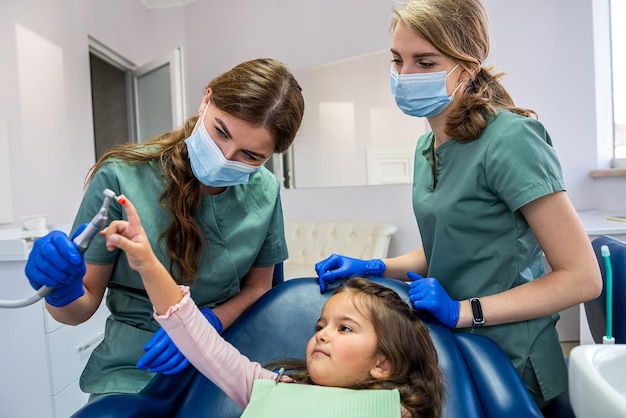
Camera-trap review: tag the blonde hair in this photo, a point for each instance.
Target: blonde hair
(459, 29)
(261, 92)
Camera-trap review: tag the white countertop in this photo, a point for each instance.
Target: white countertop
(596, 223)
(16, 243)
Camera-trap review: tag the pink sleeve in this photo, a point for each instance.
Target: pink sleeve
(214, 357)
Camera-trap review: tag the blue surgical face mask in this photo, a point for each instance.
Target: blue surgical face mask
(208, 163)
(421, 94)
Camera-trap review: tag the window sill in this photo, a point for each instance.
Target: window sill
(611, 172)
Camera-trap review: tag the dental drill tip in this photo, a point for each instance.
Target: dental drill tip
(121, 200)
(109, 193)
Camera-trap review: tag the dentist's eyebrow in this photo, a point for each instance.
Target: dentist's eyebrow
(257, 155)
(229, 136)
(417, 56)
(224, 128)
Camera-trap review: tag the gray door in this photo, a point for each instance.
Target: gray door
(159, 95)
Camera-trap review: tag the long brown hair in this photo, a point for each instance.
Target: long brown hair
(261, 92)
(460, 30)
(405, 342)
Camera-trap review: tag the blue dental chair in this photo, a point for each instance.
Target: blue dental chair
(481, 381)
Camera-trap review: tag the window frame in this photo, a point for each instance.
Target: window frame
(617, 162)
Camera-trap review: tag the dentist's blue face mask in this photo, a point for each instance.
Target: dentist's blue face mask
(421, 94)
(208, 163)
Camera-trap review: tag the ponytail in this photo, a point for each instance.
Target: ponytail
(482, 97)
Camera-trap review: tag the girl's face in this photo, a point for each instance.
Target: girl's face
(344, 350)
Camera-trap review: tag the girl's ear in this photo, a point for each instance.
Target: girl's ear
(381, 370)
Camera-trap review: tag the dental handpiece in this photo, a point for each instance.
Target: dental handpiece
(81, 241)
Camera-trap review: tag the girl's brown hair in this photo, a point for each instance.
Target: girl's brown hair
(261, 92)
(405, 342)
(460, 30)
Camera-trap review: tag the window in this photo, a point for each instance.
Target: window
(618, 70)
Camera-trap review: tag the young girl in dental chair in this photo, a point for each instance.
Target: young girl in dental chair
(367, 337)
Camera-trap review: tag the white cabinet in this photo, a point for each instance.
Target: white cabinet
(40, 359)
(69, 348)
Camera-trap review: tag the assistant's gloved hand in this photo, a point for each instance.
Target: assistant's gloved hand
(427, 294)
(162, 355)
(55, 262)
(338, 266)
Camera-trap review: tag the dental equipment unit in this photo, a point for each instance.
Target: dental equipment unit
(81, 241)
(606, 256)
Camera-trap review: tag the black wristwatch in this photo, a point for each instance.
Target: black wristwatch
(477, 313)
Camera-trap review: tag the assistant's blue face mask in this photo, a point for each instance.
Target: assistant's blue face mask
(421, 94)
(208, 163)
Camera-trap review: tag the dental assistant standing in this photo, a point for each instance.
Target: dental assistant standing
(212, 214)
(488, 196)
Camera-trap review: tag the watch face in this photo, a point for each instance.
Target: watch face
(477, 312)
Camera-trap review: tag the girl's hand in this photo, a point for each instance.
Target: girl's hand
(130, 237)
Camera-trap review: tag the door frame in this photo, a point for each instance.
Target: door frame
(177, 81)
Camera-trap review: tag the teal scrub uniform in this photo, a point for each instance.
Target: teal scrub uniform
(244, 228)
(476, 241)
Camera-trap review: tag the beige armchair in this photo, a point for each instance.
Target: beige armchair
(310, 241)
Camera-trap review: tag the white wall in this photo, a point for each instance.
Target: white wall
(300, 33)
(545, 48)
(45, 90)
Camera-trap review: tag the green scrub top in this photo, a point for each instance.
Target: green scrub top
(477, 242)
(244, 228)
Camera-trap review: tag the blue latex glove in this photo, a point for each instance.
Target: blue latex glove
(427, 294)
(338, 266)
(162, 355)
(55, 262)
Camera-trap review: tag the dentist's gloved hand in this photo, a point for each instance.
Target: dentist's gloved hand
(162, 355)
(338, 266)
(427, 294)
(55, 262)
